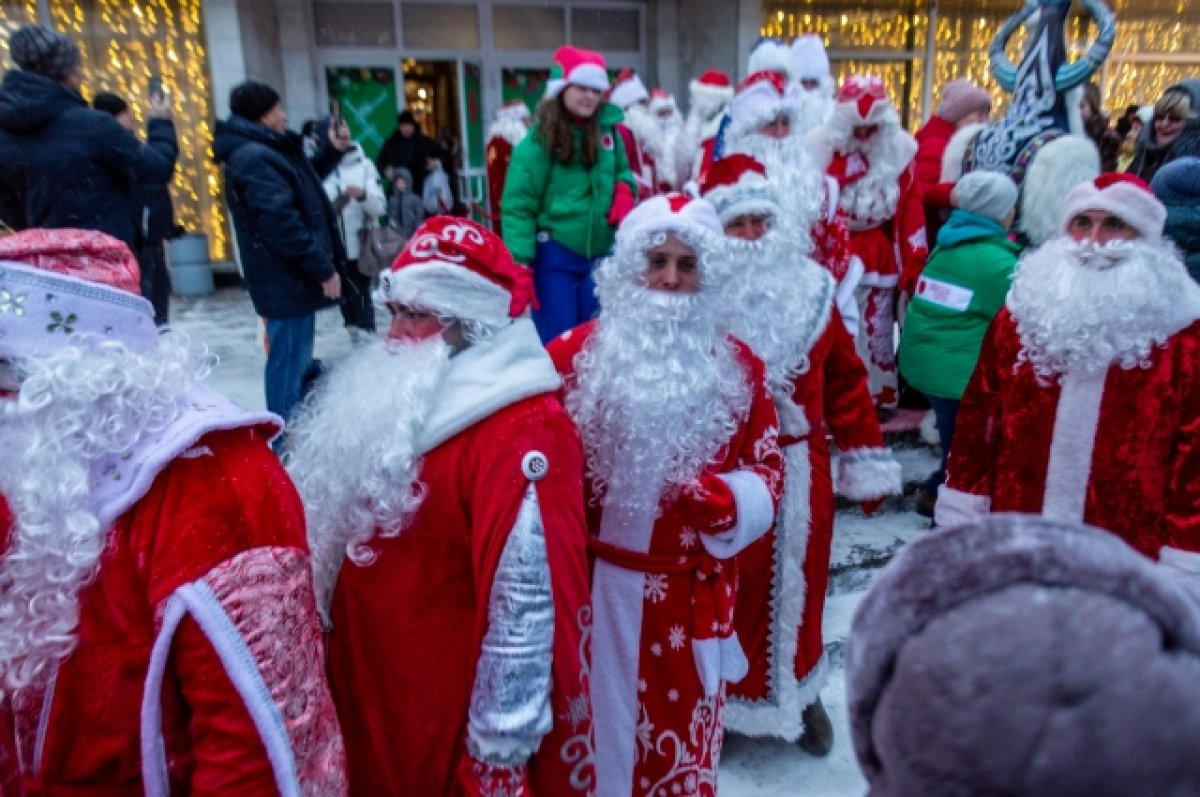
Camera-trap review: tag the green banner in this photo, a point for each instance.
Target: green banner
(473, 94)
(367, 97)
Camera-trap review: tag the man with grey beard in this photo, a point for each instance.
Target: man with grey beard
(782, 305)
(1085, 403)
(683, 472)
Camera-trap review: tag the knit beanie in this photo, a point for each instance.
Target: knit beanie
(988, 194)
(962, 97)
(1123, 195)
(1025, 657)
(1178, 181)
(252, 100)
(43, 51)
(110, 103)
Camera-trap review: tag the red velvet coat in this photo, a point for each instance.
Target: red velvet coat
(895, 251)
(781, 598)
(223, 516)
(657, 732)
(499, 155)
(408, 628)
(1018, 448)
(932, 140)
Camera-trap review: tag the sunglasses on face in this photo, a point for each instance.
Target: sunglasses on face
(1169, 117)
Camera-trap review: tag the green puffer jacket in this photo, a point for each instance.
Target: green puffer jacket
(1183, 227)
(568, 202)
(961, 290)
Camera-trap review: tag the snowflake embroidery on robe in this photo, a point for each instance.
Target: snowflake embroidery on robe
(677, 637)
(656, 587)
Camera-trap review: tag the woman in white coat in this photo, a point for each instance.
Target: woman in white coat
(357, 196)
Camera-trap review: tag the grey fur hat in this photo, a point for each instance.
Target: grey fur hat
(1024, 657)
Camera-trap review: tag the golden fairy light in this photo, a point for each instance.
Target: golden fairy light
(124, 43)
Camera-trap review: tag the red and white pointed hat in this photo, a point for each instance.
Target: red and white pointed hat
(660, 100)
(1125, 196)
(513, 111)
(863, 100)
(760, 98)
(629, 90)
(455, 268)
(737, 185)
(574, 66)
(713, 87)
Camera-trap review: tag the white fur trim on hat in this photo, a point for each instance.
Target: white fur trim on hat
(809, 59)
(770, 56)
(585, 75)
(751, 195)
(655, 215)
(758, 104)
(513, 111)
(628, 92)
(1133, 204)
(449, 290)
(709, 94)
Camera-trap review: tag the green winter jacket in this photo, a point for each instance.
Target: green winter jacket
(961, 290)
(1183, 227)
(568, 202)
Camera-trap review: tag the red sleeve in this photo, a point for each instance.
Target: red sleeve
(973, 454)
(232, 498)
(937, 197)
(831, 244)
(910, 230)
(849, 411)
(760, 452)
(1183, 495)
(929, 159)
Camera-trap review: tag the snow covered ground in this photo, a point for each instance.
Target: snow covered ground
(226, 323)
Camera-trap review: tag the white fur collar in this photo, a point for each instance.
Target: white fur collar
(487, 377)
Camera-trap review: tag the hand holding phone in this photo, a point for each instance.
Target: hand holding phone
(160, 103)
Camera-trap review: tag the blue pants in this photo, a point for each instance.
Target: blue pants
(289, 358)
(563, 281)
(945, 414)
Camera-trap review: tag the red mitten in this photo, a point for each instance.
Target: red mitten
(869, 508)
(709, 505)
(622, 203)
(479, 779)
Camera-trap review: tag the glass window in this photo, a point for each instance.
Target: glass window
(444, 27)
(527, 28)
(354, 24)
(607, 30)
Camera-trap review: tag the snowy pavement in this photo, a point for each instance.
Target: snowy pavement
(226, 323)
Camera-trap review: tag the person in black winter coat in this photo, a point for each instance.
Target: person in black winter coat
(287, 235)
(1174, 131)
(63, 164)
(409, 148)
(154, 216)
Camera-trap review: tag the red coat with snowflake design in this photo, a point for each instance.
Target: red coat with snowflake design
(657, 731)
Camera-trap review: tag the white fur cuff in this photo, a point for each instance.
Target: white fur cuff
(865, 474)
(755, 514)
(955, 508)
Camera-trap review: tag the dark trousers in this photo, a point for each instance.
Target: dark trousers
(156, 281)
(357, 308)
(945, 414)
(565, 290)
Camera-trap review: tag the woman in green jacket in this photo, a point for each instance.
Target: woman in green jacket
(569, 184)
(961, 290)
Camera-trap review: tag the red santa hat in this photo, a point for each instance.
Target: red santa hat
(660, 100)
(1125, 196)
(513, 111)
(809, 59)
(629, 90)
(56, 284)
(455, 268)
(863, 100)
(574, 66)
(761, 98)
(713, 87)
(770, 55)
(737, 185)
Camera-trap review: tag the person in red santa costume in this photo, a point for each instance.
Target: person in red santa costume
(760, 123)
(158, 628)
(630, 95)
(1085, 404)
(784, 309)
(684, 471)
(443, 483)
(708, 97)
(870, 155)
(510, 126)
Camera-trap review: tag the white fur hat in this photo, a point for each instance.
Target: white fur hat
(672, 213)
(863, 100)
(1124, 196)
(514, 111)
(737, 185)
(629, 90)
(809, 59)
(760, 98)
(660, 100)
(770, 55)
(711, 88)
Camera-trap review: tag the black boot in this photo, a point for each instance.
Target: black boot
(817, 739)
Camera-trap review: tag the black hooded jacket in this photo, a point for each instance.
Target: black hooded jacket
(286, 229)
(1150, 156)
(63, 164)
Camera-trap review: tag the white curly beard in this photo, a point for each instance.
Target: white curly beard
(72, 408)
(658, 391)
(353, 451)
(646, 130)
(798, 183)
(873, 199)
(1082, 307)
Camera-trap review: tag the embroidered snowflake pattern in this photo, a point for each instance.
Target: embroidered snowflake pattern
(61, 323)
(677, 637)
(688, 538)
(579, 711)
(673, 695)
(656, 587)
(13, 303)
(656, 649)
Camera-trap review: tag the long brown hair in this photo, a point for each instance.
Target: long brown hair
(556, 131)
